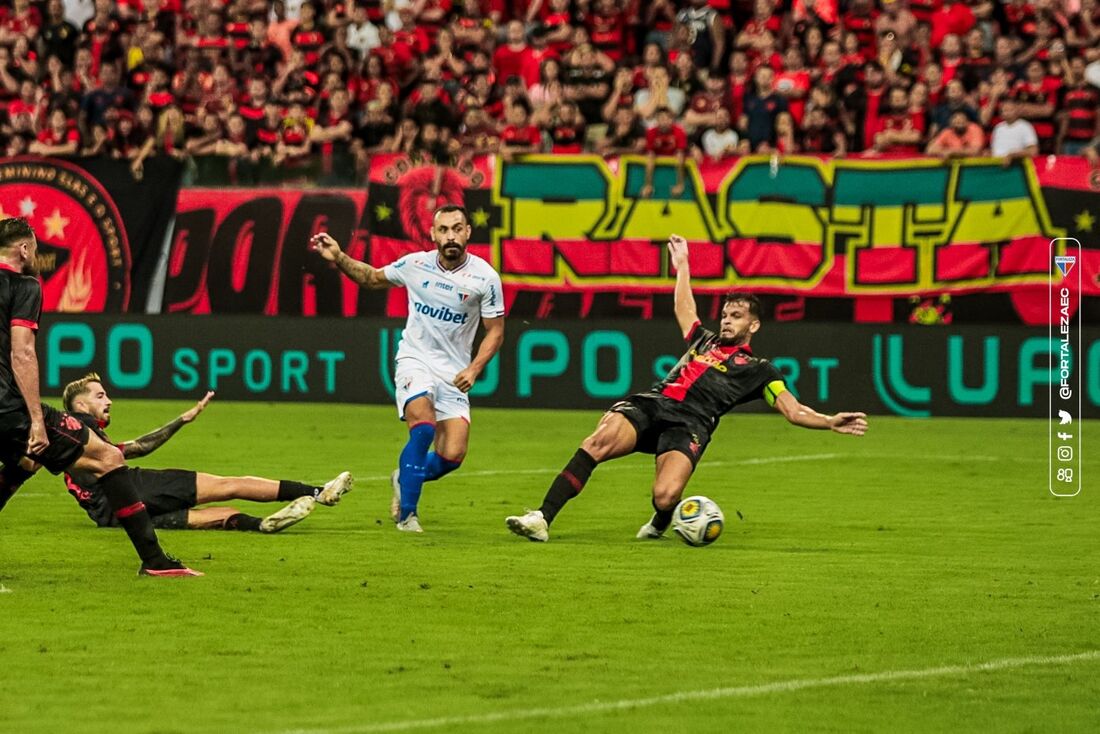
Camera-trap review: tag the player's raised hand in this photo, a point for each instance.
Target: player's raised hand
(854, 424)
(678, 251)
(323, 244)
(200, 406)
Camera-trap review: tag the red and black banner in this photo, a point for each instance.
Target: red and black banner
(100, 231)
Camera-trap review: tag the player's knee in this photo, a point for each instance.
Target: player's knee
(598, 446)
(666, 497)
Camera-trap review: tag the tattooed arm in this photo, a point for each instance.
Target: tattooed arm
(150, 442)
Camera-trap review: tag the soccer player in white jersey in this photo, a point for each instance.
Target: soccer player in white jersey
(450, 291)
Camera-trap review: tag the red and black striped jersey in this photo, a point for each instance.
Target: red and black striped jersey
(1080, 105)
(711, 378)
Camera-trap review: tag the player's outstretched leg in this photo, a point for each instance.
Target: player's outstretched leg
(535, 524)
(120, 489)
(292, 514)
(615, 436)
(335, 488)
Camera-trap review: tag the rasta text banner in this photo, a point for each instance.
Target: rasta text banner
(851, 231)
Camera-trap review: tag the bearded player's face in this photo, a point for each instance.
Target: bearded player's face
(450, 233)
(96, 403)
(738, 324)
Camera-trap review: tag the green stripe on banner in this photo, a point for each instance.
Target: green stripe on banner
(792, 182)
(552, 181)
(992, 183)
(664, 178)
(858, 187)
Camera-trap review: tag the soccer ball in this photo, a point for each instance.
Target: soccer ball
(698, 520)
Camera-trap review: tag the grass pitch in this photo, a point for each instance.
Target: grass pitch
(927, 547)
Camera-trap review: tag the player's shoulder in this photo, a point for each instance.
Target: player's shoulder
(20, 280)
(419, 259)
(482, 267)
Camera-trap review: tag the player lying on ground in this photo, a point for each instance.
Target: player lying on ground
(172, 495)
(449, 292)
(677, 417)
(33, 435)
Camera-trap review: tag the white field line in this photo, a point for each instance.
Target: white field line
(626, 704)
(757, 461)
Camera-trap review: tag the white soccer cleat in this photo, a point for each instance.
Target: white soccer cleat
(410, 525)
(336, 488)
(395, 501)
(648, 532)
(532, 526)
(292, 514)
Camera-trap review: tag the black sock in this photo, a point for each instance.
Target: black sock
(11, 479)
(289, 490)
(120, 490)
(568, 484)
(241, 521)
(661, 518)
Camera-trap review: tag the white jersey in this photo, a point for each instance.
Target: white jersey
(445, 307)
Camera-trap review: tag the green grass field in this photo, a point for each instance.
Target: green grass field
(866, 583)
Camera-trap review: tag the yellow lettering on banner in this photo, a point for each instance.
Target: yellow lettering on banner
(821, 208)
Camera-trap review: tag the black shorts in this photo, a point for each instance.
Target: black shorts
(662, 426)
(166, 491)
(66, 434)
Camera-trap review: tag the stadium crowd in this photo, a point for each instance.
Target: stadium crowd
(254, 91)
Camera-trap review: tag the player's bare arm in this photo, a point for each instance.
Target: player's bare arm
(490, 345)
(150, 442)
(24, 365)
(853, 424)
(684, 301)
(362, 273)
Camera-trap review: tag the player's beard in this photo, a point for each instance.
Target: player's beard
(452, 253)
(30, 267)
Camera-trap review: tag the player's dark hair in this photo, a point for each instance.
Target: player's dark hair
(76, 388)
(755, 307)
(14, 229)
(448, 208)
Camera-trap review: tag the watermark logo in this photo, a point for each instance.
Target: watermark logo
(1065, 263)
(1064, 401)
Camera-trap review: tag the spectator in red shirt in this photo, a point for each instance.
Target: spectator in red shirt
(513, 55)
(703, 108)
(860, 20)
(60, 138)
(738, 83)
(1037, 94)
(950, 56)
(666, 138)
(899, 130)
(540, 52)
(794, 83)
(567, 129)
(1079, 104)
(607, 29)
(519, 135)
(558, 22)
(22, 20)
